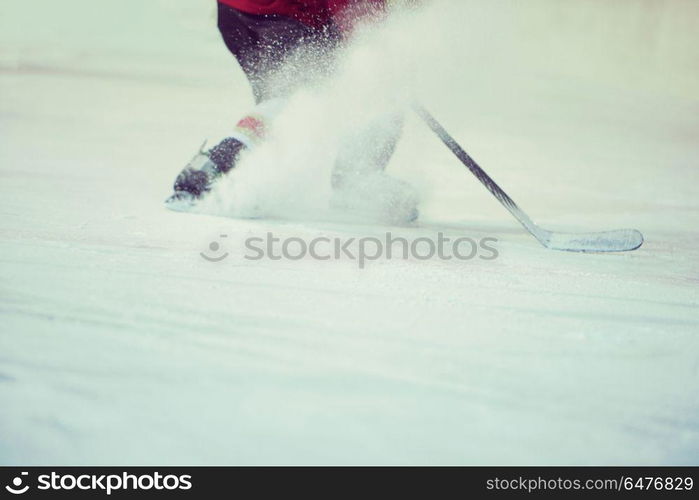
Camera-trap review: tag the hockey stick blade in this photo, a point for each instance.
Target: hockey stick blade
(621, 240)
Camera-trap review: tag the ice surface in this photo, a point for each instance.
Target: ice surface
(119, 343)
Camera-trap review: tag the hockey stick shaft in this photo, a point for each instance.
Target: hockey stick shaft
(475, 169)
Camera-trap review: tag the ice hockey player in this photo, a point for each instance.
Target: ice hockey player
(264, 35)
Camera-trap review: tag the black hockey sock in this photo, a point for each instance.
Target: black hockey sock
(225, 153)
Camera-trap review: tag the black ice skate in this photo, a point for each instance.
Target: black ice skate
(200, 174)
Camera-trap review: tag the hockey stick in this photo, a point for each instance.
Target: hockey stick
(606, 241)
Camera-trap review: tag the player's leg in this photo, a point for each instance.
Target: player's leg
(369, 149)
(275, 53)
(360, 184)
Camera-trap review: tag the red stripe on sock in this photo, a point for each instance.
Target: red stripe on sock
(253, 125)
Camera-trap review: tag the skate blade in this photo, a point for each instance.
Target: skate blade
(181, 202)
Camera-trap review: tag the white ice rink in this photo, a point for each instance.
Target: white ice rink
(120, 344)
